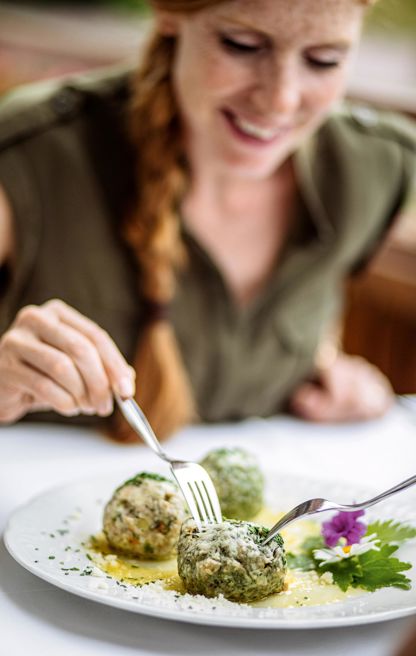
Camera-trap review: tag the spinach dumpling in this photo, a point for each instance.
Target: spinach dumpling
(229, 559)
(238, 480)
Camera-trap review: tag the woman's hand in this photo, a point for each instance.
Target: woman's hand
(54, 358)
(350, 389)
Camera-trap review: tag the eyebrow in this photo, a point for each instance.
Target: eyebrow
(241, 23)
(338, 45)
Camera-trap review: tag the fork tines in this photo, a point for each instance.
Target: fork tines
(200, 494)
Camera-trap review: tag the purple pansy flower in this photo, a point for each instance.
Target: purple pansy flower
(344, 525)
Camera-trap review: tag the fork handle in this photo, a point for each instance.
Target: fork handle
(137, 420)
(313, 506)
(388, 493)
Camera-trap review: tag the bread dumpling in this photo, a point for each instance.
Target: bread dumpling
(144, 516)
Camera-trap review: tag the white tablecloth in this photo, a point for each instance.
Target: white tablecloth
(39, 619)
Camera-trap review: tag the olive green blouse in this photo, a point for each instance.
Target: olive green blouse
(67, 168)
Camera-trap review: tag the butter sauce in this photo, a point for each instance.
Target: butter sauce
(301, 588)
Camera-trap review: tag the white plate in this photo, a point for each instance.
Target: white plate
(45, 536)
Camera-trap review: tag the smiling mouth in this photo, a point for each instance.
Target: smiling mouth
(253, 131)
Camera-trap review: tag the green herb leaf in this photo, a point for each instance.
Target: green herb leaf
(302, 561)
(256, 530)
(312, 543)
(380, 570)
(345, 572)
(391, 531)
(371, 570)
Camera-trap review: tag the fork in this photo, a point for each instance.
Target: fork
(321, 505)
(193, 480)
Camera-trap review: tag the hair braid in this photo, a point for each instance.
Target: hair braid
(152, 231)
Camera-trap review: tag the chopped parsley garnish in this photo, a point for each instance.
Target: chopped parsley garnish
(139, 478)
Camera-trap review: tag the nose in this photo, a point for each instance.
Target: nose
(278, 87)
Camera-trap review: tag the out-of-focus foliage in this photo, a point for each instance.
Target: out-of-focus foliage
(135, 5)
(393, 16)
(138, 5)
(387, 15)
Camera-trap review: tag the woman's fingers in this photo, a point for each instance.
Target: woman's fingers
(50, 361)
(71, 354)
(350, 390)
(17, 404)
(76, 353)
(120, 374)
(55, 358)
(311, 403)
(44, 391)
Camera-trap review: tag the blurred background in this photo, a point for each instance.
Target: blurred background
(39, 40)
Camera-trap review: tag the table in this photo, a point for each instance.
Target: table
(39, 619)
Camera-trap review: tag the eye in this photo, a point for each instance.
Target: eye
(325, 57)
(239, 47)
(322, 65)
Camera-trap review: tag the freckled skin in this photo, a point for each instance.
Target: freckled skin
(274, 86)
(240, 204)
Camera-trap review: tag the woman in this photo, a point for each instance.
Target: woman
(221, 179)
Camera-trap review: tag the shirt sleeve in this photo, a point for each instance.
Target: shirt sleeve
(399, 132)
(26, 217)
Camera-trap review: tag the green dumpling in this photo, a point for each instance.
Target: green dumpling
(238, 480)
(229, 559)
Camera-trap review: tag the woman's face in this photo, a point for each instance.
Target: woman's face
(255, 77)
